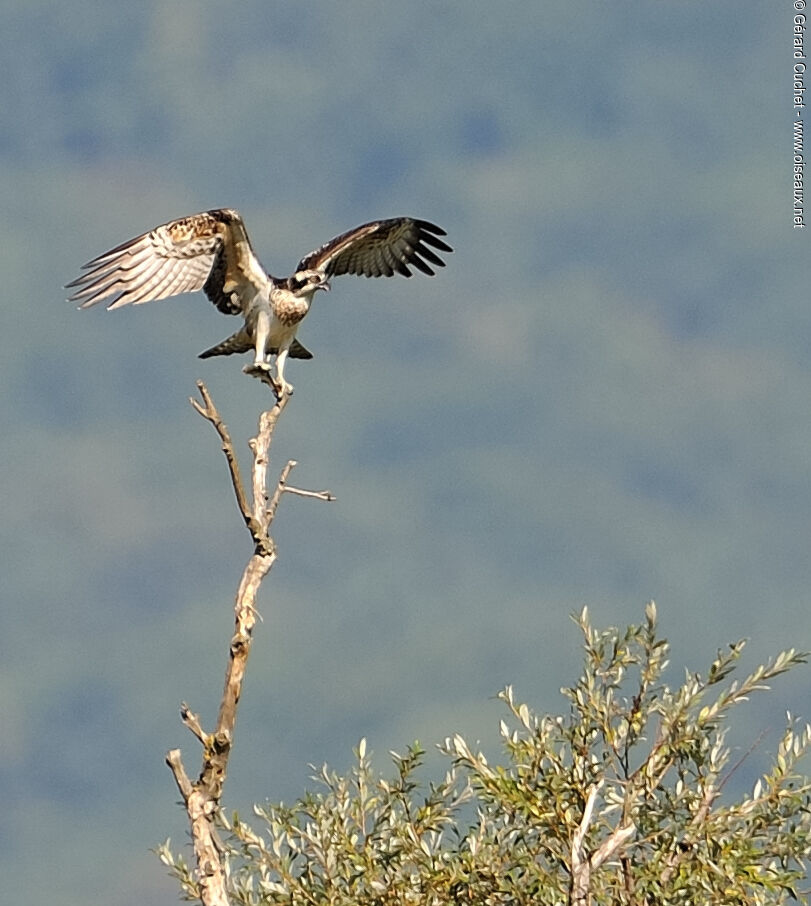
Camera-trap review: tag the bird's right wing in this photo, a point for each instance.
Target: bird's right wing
(381, 248)
(209, 251)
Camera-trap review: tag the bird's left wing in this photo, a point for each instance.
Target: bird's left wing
(208, 250)
(380, 249)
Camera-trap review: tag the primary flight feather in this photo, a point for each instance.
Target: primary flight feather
(211, 251)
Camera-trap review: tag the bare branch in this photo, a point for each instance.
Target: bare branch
(202, 797)
(283, 488)
(281, 484)
(200, 809)
(181, 777)
(210, 413)
(192, 721)
(326, 496)
(260, 446)
(245, 619)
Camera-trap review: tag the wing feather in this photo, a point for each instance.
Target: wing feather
(380, 248)
(177, 257)
(116, 285)
(160, 286)
(129, 293)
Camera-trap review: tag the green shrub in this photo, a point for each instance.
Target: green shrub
(617, 801)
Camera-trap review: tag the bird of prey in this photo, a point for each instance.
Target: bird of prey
(211, 251)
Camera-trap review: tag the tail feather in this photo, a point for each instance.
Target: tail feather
(297, 351)
(238, 342)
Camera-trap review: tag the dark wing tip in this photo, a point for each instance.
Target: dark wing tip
(430, 227)
(429, 232)
(381, 248)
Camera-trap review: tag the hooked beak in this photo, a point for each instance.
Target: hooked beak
(325, 286)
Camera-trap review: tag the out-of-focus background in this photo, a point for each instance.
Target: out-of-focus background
(605, 397)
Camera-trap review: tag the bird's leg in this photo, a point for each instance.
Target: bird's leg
(281, 358)
(260, 367)
(261, 333)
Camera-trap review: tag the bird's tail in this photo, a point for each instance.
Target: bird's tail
(239, 342)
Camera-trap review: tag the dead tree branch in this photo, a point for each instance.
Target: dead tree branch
(202, 796)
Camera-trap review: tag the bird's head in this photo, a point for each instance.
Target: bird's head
(304, 283)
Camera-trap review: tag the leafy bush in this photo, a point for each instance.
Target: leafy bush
(617, 801)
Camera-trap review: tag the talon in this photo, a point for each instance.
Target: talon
(259, 366)
(263, 372)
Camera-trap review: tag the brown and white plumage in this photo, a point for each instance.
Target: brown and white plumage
(380, 249)
(211, 251)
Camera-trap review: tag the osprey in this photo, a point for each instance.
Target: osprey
(211, 251)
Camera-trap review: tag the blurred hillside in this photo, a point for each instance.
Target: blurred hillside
(602, 399)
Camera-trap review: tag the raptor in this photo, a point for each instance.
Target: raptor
(211, 251)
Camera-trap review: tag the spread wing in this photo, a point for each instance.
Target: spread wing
(380, 249)
(209, 251)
